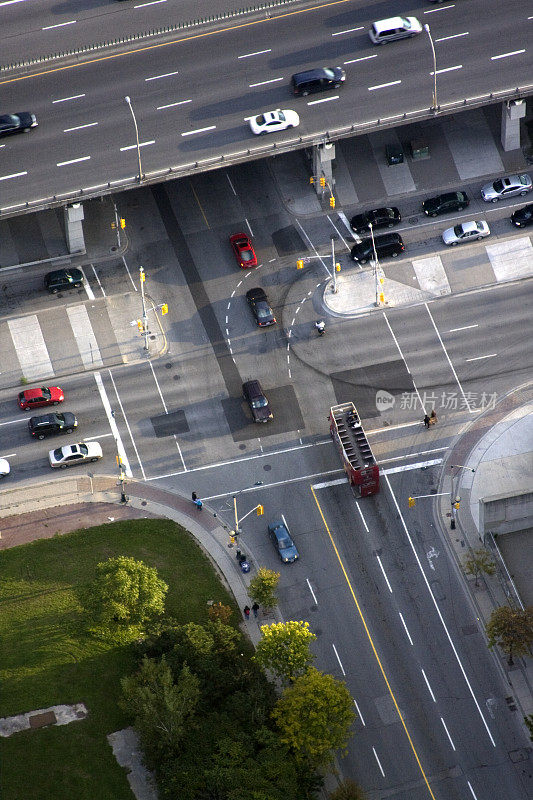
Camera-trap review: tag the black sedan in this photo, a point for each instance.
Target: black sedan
(61, 279)
(22, 122)
(377, 217)
(444, 203)
(523, 217)
(260, 307)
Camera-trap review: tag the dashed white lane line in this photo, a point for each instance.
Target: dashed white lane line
(378, 761)
(508, 55)
(447, 69)
(447, 733)
(363, 58)
(464, 328)
(73, 161)
(66, 99)
(383, 85)
(406, 629)
(264, 83)
(430, 690)
(348, 30)
(134, 146)
(80, 127)
(199, 130)
(257, 53)
(164, 75)
(59, 25)
(323, 100)
(453, 36)
(172, 105)
(112, 424)
(482, 358)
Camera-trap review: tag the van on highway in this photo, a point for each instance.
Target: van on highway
(388, 30)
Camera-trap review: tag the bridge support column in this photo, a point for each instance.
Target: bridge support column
(323, 156)
(73, 216)
(512, 112)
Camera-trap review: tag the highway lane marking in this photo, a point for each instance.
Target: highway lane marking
(199, 130)
(383, 85)
(472, 790)
(311, 590)
(202, 35)
(379, 762)
(14, 421)
(482, 358)
(59, 25)
(323, 100)
(408, 467)
(447, 69)
(363, 58)
(171, 105)
(430, 690)
(464, 328)
(249, 228)
(338, 659)
(134, 146)
(232, 189)
(412, 455)
(442, 8)
(470, 410)
(384, 573)
(348, 30)
(11, 2)
(73, 161)
(439, 613)
(507, 55)
(359, 711)
(66, 99)
(163, 75)
(13, 175)
(453, 36)
(149, 3)
(363, 520)
(257, 53)
(80, 127)
(264, 83)
(112, 424)
(406, 629)
(447, 733)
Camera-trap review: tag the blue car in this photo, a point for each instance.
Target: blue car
(281, 539)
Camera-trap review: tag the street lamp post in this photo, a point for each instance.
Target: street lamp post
(435, 102)
(140, 176)
(375, 260)
(144, 317)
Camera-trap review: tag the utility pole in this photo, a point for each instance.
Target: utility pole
(144, 317)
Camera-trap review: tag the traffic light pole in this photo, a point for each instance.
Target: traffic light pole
(456, 500)
(144, 317)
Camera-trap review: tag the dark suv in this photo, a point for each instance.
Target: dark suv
(444, 203)
(50, 424)
(317, 80)
(253, 394)
(63, 279)
(523, 216)
(377, 217)
(390, 244)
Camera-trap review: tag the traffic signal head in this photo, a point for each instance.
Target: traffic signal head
(412, 502)
(332, 202)
(140, 325)
(457, 505)
(122, 223)
(312, 179)
(260, 511)
(322, 181)
(164, 308)
(300, 263)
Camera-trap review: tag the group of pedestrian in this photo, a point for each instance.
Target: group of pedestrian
(431, 420)
(255, 609)
(196, 500)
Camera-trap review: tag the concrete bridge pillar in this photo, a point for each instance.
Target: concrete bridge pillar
(323, 157)
(73, 216)
(512, 112)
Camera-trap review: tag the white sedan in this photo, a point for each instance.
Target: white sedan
(466, 232)
(272, 121)
(71, 454)
(5, 469)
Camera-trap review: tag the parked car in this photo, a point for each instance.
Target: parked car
(51, 424)
(317, 80)
(510, 186)
(393, 28)
(466, 232)
(282, 541)
(5, 469)
(387, 245)
(523, 216)
(72, 454)
(272, 121)
(255, 397)
(243, 250)
(21, 122)
(62, 279)
(44, 396)
(444, 203)
(378, 218)
(260, 306)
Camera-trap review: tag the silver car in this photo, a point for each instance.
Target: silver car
(466, 232)
(71, 454)
(509, 186)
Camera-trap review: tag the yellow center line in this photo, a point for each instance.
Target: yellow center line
(382, 670)
(173, 42)
(199, 204)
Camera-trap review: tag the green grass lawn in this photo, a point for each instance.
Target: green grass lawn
(46, 657)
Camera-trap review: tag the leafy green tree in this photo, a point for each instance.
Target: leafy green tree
(284, 648)
(314, 715)
(125, 595)
(347, 790)
(479, 561)
(221, 612)
(263, 587)
(159, 706)
(511, 630)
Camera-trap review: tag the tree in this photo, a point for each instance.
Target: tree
(347, 790)
(284, 648)
(125, 595)
(529, 724)
(219, 611)
(479, 561)
(314, 715)
(263, 586)
(160, 708)
(511, 630)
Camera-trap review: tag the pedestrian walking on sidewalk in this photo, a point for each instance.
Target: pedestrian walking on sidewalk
(198, 503)
(247, 612)
(194, 497)
(433, 418)
(426, 421)
(255, 609)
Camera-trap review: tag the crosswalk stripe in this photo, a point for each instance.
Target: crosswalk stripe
(30, 348)
(431, 275)
(511, 259)
(84, 335)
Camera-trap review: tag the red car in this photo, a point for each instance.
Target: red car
(45, 396)
(244, 250)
